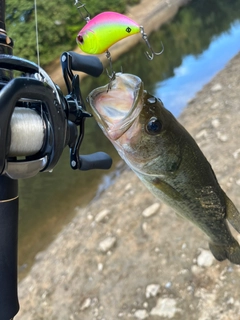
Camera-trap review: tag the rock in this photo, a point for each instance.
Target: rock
(107, 244)
(196, 270)
(215, 123)
(141, 314)
(120, 315)
(166, 307)
(168, 285)
(128, 187)
(102, 215)
(205, 259)
(202, 134)
(100, 267)
(39, 256)
(86, 304)
(222, 137)
(207, 100)
(152, 290)
(216, 87)
(214, 105)
(236, 153)
(184, 246)
(144, 227)
(150, 211)
(231, 300)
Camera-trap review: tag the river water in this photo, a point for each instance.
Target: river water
(198, 43)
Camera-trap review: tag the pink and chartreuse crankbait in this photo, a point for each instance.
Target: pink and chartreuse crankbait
(107, 28)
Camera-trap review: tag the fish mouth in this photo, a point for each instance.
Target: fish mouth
(115, 109)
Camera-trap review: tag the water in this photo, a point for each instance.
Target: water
(195, 71)
(198, 42)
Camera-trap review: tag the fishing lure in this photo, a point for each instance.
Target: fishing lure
(106, 29)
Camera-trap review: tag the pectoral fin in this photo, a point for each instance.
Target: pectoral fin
(167, 189)
(232, 214)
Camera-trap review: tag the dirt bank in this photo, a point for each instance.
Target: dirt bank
(115, 261)
(151, 14)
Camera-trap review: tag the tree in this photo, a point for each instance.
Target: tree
(58, 24)
(52, 28)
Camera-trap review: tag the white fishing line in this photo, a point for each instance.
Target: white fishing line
(27, 132)
(36, 27)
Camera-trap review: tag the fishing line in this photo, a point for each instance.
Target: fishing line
(38, 61)
(36, 27)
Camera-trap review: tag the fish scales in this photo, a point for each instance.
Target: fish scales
(167, 160)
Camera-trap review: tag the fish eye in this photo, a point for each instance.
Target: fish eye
(80, 39)
(154, 126)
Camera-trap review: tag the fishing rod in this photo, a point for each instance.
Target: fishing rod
(36, 123)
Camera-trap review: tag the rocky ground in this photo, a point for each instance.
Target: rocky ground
(128, 256)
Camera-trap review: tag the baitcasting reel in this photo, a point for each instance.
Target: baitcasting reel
(37, 121)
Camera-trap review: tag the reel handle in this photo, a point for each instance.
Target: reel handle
(87, 64)
(98, 160)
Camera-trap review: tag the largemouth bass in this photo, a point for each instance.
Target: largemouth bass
(166, 159)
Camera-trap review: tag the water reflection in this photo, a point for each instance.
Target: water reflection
(47, 201)
(203, 28)
(195, 71)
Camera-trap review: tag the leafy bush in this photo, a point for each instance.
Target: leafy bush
(58, 24)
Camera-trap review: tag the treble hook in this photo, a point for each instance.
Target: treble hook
(145, 38)
(111, 76)
(79, 7)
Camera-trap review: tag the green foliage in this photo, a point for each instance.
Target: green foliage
(133, 2)
(52, 28)
(58, 24)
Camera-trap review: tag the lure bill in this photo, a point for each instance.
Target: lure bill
(166, 159)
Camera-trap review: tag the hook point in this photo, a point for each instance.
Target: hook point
(153, 53)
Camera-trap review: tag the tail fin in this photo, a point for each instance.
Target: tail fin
(232, 214)
(223, 252)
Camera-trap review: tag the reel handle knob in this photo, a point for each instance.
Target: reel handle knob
(88, 64)
(98, 160)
